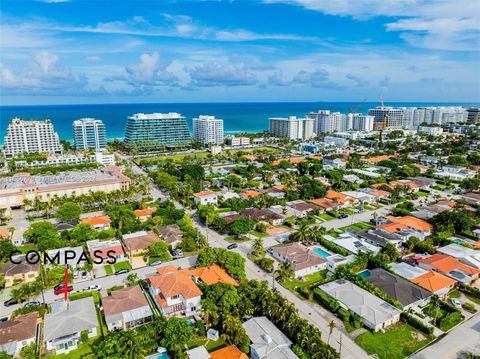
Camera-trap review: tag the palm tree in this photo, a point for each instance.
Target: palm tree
(130, 344)
(286, 271)
(302, 233)
(258, 245)
(332, 325)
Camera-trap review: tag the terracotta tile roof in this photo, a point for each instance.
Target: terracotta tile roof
(230, 352)
(393, 227)
(145, 212)
(280, 187)
(123, 300)
(250, 194)
(433, 281)
(376, 159)
(204, 194)
(95, 221)
(21, 328)
(213, 274)
(451, 204)
(249, 157)
(410, 184)
(324, 202)
(4, 233)
(293, 160)
(166, 269)
(336, 196)
(380, 193)
(447, 264)
(377, 185)
(176, 283)
(412, 222)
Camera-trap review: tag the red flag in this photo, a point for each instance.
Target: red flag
(65, 284)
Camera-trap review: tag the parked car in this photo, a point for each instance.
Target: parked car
(12, 301)
(61, 290)
(84, 274)
(456, 303)
(270, 250)
(155, 263)
(232, 246)
(122, 271)
(34, 302)
(75, 275)
(96, 287)
(343, 216)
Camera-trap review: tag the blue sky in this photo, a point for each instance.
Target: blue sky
(55, 51)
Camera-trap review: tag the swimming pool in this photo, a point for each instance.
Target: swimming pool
(321, 252)
(364, 274)
(457, 240)
(158, 356)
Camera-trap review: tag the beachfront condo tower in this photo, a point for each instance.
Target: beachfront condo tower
(291, 127)
(30, 137)
(89, 133)
(154, 131)
(386, 117)
(208, 130)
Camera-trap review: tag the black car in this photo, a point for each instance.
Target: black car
(12, 301)
(122, 271)
(343, 216)
(232, 246)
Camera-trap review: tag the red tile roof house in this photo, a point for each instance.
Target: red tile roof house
(144, 214)
(451, 267)
(18, 333)
(100, 223)
(175, 292)
(326, 204)
(126, 308)
(301, 208)
(205, 197)
(99, 249)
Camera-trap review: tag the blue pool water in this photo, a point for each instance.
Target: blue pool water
(158, 356)
(364, 274)
(321, 252)
(457, 240)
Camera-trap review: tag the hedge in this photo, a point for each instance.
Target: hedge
(325, 300)
(414, 322)
(334, 247)
(343, 314)
(469, 307)
(81, 295)
(474, 292)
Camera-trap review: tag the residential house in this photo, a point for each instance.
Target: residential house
(268, 342)
(326, 204)
(22, 272)
(301, 208)
(376, 159)
(275, 193)
(450, 267)
(99, 223)
(228, 352)
(424, 183)
(126, 308)
(72, 256)
(262, 215)
(172, 234)
(63, 326)
(457, 173)
(408, 294)
(406, 270)
(230, 216)
(414, 223)
(17, 333)
(471, 197)
(342, 199)
(17, 237)
(465, 255)
(335, 260)
(379, 237)
(304, 260)
(376, 314)
(138, 242)
(250, 194)
(144, 215)
(362, 197)
(352, 179)
(410, 185)
(66, 225)
(105, 250)
(175, 292)
(212, 274)
(205, 197)
(435, 283)
(353, 243)
(199, 352)
(330, 163)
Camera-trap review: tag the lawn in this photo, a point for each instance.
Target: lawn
(472, 298)
(258, 234)
(27, 247)
(308, 280)
(122, 265)
(326, 217)
(82, 350)
(108, 269)
(210, 345)
(454, 294)
(398, 341)
(422, 193)
(357, 226)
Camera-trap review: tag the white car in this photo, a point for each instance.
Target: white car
(456, 303)
(96, 287)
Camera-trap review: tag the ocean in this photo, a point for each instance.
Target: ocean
(238, 117)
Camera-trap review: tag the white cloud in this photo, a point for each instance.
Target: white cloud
(213, 74)
(150, 71)
(42, 74)
(443, 25)
(92, 58)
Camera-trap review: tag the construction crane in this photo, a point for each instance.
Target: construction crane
(355, 109)
(381, 101)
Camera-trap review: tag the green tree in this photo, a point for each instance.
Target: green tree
(69, 211)
(176, 333)
(82, 233)
(123, 218)
(6, 248)
(470, 184)
(331, 326)
(132, 279)
(44, 234)
(159, 250)
(130, 344)
(391, 251)
(242, 225)
(29, 352)
(235, 333)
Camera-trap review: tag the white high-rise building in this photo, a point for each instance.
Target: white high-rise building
(31, 137)
(292, 127)
(441, 115)
(89, 133)
(361, 122)
(392, 116)
(326, 121)
(208, 130)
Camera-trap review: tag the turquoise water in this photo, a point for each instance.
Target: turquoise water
(364, 274)
(457, 240)
(238, 117)
(321, 252)
(158, 356)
